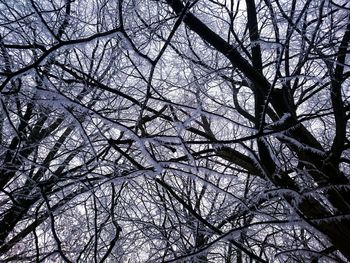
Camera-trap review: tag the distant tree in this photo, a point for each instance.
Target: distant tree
(170, 130)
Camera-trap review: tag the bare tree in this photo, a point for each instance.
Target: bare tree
(163, 131)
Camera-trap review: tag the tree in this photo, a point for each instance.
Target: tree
(163, 131)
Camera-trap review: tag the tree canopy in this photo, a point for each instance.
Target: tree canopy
(174, 131)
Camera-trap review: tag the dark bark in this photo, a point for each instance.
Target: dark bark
(339, 235)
